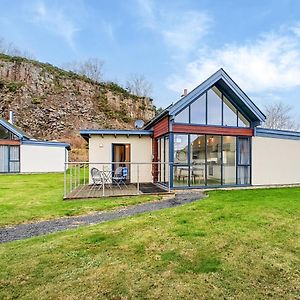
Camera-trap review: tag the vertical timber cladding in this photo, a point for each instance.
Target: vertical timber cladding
(159, 129)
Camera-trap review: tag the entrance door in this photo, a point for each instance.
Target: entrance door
(121, 156)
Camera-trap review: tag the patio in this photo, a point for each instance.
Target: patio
(98, 191)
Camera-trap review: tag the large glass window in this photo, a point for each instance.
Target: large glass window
(183, 116)
(198, 111)
(214, 106)
(207, 110)
(181, 159)
(180, 148)
(242, 121)
(6, 134)
(214, 161)
(243, 169)
(211, 160)
(198, 157)
(9, 159)
(229, 160)
(229, 113)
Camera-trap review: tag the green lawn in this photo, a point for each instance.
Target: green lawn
(26, 198)
(241, 244)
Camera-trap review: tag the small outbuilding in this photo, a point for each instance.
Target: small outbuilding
(19, 153)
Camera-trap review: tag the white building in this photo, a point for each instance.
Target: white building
(21, 154)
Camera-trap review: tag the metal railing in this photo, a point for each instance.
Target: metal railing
(141, 178)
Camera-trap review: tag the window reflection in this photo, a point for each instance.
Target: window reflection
(213, 169)
(197, 154)
(183, 117)
(229, 161)
(214, 106)
(229, 113)
(198, 110)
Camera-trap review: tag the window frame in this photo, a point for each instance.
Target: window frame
(238, 112)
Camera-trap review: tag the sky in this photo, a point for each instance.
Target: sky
(174, 44)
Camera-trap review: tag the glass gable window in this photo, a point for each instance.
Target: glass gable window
(229, 113)
(214, 107)
(198, 111)
(242, 121)
(6, 134)
(183, 116)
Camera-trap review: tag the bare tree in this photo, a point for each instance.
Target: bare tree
(91, 68)
(9, 48)
(138, 85)
(279, 116)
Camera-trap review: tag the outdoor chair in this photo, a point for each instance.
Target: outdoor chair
(97, 176)
(119, 176)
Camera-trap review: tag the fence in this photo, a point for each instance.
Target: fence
(93, 180)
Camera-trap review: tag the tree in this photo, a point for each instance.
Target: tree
(138, 85)
(279, 116)
(9, 48)
(91, 68)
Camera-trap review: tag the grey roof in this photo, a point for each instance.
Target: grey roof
(26, 139)
(279, 134)
(14, 129)
(86, 133)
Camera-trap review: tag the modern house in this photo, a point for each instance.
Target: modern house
(19, 153)
(209, 138)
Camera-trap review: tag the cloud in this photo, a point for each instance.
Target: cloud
(268, 64)
(180, 30)
(189, 29)
(56, 21)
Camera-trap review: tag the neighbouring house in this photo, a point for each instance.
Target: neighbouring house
(19, 153)
(209, 138)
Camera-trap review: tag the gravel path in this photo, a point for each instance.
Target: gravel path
(23, 231)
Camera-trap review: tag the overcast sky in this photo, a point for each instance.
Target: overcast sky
(175, 44)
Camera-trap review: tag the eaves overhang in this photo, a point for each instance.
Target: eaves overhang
(86, 133)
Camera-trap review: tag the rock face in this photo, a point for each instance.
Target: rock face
(50, 103)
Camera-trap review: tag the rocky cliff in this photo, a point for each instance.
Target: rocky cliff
(51, 103)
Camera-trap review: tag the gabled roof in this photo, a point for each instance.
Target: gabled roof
(26, 139)
(14, 129)
(223, 81)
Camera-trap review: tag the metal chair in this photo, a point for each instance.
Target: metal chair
(119, 176)
(97, 176)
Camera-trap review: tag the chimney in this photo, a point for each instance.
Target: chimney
(185, 92)
(11, 117)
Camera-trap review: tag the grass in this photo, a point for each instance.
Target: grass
(241, 244)
(27, 198)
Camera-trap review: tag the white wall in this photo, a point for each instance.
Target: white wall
(37, 158)
(100, 151)
(275, 161)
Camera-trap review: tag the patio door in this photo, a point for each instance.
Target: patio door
(121, 156)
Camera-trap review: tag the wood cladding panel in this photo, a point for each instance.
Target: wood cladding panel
(161, 128)
(9, 143)
(182, 128)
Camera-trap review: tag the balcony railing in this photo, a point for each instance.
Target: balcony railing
(95, 180)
